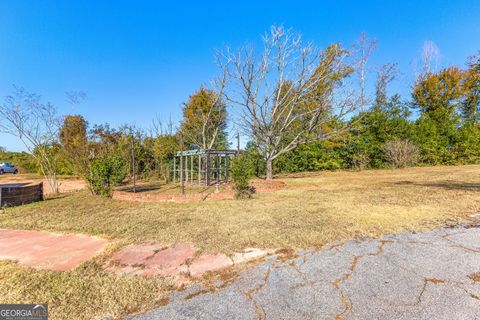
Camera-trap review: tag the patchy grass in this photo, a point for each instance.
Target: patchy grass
(314, 209)
(82, 293)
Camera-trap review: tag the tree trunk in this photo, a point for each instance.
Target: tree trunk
(269, 169)
(52, 181)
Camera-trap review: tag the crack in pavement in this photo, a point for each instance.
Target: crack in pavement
(435, 281)
(426, 281)
(459, 245)
(260, 312)
(381, 248)
(337, 289)
(346, 301)
(431, 280)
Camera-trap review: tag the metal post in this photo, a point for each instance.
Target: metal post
(238, 142)
(226, 168)
(167, 173)
(174, 168)
(217, 169)
(186, 168)
(133, 167)
(207, 170)
(191, 169)
(181, 165)
(199, 169)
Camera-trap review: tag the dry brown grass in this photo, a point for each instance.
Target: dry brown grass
(313, 210)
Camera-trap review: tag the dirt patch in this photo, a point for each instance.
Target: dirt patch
(64, 185)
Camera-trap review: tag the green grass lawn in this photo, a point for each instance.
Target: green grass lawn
(314, 209)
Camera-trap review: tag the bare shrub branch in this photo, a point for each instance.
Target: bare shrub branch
(401, 153)
(36, 124)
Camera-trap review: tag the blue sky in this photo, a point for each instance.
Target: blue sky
(136, 59)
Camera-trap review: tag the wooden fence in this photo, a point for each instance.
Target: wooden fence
(18, 194)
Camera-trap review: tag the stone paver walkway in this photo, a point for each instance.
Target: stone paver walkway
(44, 250)
(432, 275)
(178, 261)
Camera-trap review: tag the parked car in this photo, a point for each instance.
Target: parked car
(7, 167)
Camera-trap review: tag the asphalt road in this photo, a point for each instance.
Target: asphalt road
(433, 275)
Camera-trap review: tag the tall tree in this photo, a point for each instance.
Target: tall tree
(205, 119)
(36, 124)
(73, 137)
(439, 97)
(363, 48)
(441, 92)
(471, 105)
(385, 75)
(289, 93)
(430, 57)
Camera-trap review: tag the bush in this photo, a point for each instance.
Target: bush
(400, 153)
(106, 172)
(360, 161)
(314, 156)
(242, 171)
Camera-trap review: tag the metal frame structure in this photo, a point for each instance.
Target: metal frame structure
(200, 166)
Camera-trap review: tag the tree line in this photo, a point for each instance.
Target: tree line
(301, 107)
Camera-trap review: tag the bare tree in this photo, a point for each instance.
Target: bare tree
(161, 128)
(74, 98)
(363, 49)
(290, 94)
(36, 124)
(385, 75)
(430, 57)
(163, 142)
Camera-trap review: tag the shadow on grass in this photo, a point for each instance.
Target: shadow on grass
(447, 184)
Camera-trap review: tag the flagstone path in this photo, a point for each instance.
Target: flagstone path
(45, 250)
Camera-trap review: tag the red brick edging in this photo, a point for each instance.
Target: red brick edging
(153, 197)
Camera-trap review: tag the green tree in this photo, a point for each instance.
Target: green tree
(205, 120)
(73, 137)
(471, 105)
(242, 171)
(439, 97)
(105, 172)
(372, 129)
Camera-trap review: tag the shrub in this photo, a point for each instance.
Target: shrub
(106, 172)
(401, 153)
(242, 171)
(360, 161)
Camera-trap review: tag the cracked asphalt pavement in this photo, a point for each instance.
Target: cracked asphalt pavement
(431, 275)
